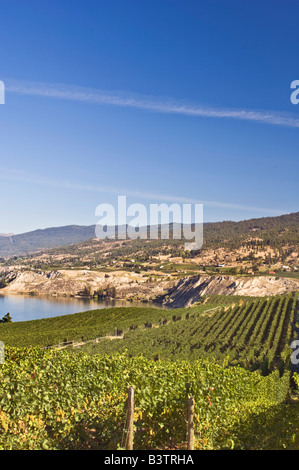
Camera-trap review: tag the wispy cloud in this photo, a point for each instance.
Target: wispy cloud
(25, 177)
(147, 103)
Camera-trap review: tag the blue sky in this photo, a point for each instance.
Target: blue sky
(162, 101)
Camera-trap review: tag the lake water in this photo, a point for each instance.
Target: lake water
(24, 308)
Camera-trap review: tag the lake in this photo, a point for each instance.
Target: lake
(24, 308)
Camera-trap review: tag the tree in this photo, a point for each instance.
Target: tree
(87, 290)
(6, 318)
(255, 268)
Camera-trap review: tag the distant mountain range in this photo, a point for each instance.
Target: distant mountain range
(277, 230)
(37, 240)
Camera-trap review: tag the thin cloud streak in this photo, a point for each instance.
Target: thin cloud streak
(147, 103)
(25, 177)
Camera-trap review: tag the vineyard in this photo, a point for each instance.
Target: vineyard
(232, 354)
(94, 323)
(57, 400)
(255, 333)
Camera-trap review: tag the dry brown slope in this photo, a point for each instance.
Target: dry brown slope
(190, 289)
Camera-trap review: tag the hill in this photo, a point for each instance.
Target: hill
(36, 240)
(268, 231)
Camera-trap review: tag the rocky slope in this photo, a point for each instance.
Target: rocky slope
(134, 286)
(78, 282)
(190, 289)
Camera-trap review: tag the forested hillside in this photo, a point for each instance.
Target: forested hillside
(270, 231)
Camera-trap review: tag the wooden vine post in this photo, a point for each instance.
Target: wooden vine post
(190, 428)
(130, 420)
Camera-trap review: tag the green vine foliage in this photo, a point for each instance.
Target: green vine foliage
(59, 400)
